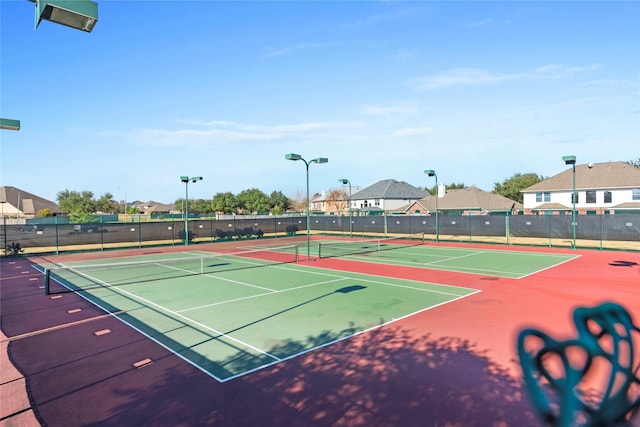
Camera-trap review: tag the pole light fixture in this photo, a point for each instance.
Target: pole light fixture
(78, 14)
(186, 180)
(571, 160)
(319, 160)
(431, 172)
(9, 124)
(345, 182)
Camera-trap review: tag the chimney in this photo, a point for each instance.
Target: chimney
(442, 190)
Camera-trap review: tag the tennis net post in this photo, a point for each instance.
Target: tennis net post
(47, 281)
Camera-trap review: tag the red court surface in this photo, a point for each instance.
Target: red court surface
(453, 365)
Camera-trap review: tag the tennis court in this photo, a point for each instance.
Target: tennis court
(196, 335)
(410, 252)
(231, 314)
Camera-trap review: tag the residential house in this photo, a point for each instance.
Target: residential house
(384, 196)
(333, 201)
(601, 188)
(17, 203)
(465, 201)
(152, 207)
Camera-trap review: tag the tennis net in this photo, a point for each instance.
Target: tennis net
(84, 276)
(328, 249)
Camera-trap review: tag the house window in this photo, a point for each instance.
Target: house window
(543, 197)
(591, 196)
(607, 196)
(377, 202)
(635, 194)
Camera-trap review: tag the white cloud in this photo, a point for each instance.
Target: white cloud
(393, 109)
(410, 132)
(397, 14)
(475, 76)
(223, 131)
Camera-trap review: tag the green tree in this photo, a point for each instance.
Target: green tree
(278, 202)
(80, 206)
(105, 204)
(511, 187)
(179, 204)
(224, 202)
(200, 206)
(253, 201)
(635, 162)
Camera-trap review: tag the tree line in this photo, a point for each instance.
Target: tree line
(81, 205)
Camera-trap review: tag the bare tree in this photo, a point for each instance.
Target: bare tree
(298, 202)
(337, 200)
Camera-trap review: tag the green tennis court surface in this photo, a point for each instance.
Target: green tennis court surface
(230, 321)
(502, 263)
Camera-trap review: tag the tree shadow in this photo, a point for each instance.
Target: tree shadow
(385, 377)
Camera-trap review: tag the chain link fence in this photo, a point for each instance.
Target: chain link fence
(591, 231)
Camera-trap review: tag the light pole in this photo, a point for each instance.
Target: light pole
(186, 180)
(431, 172)
(295, 157)
(571, 160)
(346, 181)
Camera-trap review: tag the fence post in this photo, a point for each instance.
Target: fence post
(506, 226)
(57, 238)
(601, 227)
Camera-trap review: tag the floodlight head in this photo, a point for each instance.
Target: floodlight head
(184, 178)
(430, 172)
(569, 160)
(292, 156)
(196, 178)
(320, 160)
(78, 14)
(344, 181)
(9, 124)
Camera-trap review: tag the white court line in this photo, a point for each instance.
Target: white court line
(306, 267)
(454, 257)
(551, 266)
(468, 270)
(299, 269)
(328, 343)
(260, 295)
(151, 303)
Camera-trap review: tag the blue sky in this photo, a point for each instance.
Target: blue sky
(477, 91)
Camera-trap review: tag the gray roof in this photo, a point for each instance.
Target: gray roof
(26, 202)
(151, 206)
(389, 189)
(470, 198)
(609, 175)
